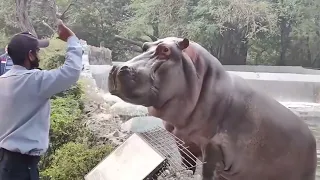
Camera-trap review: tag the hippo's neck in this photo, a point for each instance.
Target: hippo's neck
(214, 97)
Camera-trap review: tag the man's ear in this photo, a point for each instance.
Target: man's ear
(31, 56)
(183, 44)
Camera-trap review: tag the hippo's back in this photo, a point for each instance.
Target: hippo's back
(276, 144)
(288, 137)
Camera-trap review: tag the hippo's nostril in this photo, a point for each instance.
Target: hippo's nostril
(124, 69)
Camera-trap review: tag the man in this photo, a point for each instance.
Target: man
(25, 106)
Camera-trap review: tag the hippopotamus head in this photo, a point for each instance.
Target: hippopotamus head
(174, 77)
(156, 76)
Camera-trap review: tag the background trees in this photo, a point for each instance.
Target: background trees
(271, 32)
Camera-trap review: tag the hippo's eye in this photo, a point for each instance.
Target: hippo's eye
(165, 51)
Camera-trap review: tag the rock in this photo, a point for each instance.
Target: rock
(189, 172)
(104, 118)
(116, 134)
(111, 99)
(102, 124)
(127, 110)
(99, 55)
(116, 137)
(141, 124)
(197, 177)
(167, 172)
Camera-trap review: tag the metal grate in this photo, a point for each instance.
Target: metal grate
(168, 145)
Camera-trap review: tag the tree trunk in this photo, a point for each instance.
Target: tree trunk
(155, 27)
(23, 16)
(129, 41)
(234, 47)
(285, 30)
(50, 8)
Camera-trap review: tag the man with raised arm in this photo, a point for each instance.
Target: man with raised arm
(24, 102)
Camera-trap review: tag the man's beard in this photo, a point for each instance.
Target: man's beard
(34, 64)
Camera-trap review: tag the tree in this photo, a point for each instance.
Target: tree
(224, 28)
(272, 32)
(22, 10)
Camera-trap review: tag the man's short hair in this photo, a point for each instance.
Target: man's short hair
(20, 45)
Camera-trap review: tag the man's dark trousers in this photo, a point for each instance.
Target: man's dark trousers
(16, 166)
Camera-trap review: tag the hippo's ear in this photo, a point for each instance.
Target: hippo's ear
(183, 44)
(145, 46)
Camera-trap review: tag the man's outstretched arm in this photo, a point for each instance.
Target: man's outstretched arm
(57, 80)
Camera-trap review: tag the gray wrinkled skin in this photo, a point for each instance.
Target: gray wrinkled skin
(240, 133)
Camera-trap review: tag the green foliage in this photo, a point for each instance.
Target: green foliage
(260, 31)
(3, 40)
(97, 21)
(54, 55)
(74, 160)
(270, 32)
(8, 24)
(75, 91)
(65, 111)
(66, 127)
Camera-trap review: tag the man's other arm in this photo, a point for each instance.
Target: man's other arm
(54, 81)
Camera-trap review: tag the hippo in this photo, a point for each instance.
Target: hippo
(239, 132)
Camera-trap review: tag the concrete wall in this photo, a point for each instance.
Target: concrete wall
(271, 69)
(281, 86)
(288, 91)
(100, 55)
(285, 86)
(100, 73)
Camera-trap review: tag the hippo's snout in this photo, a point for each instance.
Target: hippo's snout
(132, 83)
(120, 79)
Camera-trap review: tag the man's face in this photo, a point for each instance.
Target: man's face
(34, 58)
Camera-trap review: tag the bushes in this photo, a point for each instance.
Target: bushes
(53, 56)
(72, 151)
(73, 160)
(64, 128)
(3, 39)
